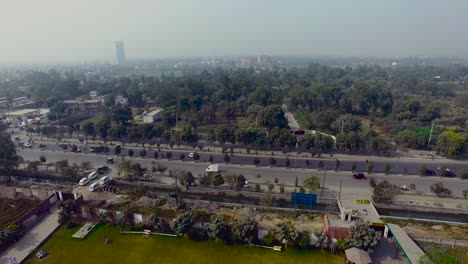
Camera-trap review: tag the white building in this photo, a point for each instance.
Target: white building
(152, 116)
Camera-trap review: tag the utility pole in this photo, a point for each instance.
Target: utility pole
(430, 135)
(398, 162)
(323, 184)
(339, 194)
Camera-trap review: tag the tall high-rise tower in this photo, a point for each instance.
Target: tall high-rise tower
(120, 52)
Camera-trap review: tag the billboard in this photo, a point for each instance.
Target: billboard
(304, 199)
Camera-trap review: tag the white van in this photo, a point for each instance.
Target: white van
(93, 175)
(212, 168)
(94, 187)
(104, 180)
(83, 181)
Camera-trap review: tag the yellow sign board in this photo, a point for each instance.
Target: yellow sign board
(362, 201)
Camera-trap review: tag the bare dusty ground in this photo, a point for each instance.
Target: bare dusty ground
(433, 230)
(303, 222)
(443, 231)
(12, 209)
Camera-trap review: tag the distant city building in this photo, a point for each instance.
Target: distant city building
(263, 59)
(120, 52)
(82, 106)
(247, 60)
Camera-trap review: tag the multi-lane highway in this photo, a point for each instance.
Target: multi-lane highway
(351, 188)
(406, 166)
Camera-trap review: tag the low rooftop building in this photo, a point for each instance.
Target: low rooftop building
(84, 106)
(153, 115)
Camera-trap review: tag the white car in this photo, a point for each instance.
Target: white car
(94, 187)
(191, 155)
(83, 181)
(93, 175)
(27, 145)
(212, 168)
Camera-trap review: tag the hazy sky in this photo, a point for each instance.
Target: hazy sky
(85, 30)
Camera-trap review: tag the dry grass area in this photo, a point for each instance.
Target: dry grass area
(445, 231)
(12, 209)
(432, 229)
(268, 220)
(303, 222)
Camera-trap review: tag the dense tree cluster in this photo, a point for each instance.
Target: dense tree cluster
(365, 107)
(363, 237)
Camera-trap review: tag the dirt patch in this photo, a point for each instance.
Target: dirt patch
(432, 230)
(12, 209)
(269, 220)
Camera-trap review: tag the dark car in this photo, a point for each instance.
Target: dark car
(110, 160)
(446, 172)
(429, 172)
(102, 169)
(98, 149)
(359, 176)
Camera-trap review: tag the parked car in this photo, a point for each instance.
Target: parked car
(190, 155)
(42, 146)
(359, 176)
(104, 180)
(83, 181)
(94, 187)
(93, 175)
(102, 169)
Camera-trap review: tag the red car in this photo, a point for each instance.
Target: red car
(359, 176)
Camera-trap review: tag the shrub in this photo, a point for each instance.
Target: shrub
(268, 240)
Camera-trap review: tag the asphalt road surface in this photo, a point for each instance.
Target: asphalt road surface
(351, 188)
(398, 166)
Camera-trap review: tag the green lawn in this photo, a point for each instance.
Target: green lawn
(303, 120)
(134, 249)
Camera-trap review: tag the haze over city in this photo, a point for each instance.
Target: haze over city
(52, 31)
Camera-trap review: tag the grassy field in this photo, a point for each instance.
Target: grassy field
(303, 120)
(135, 249)
(12, 209)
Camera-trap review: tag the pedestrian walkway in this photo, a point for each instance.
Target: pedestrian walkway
(33, 238)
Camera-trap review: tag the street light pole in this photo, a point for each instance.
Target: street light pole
(323, 184)
(341, 182)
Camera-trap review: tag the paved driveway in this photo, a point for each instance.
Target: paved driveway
(33, 238)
